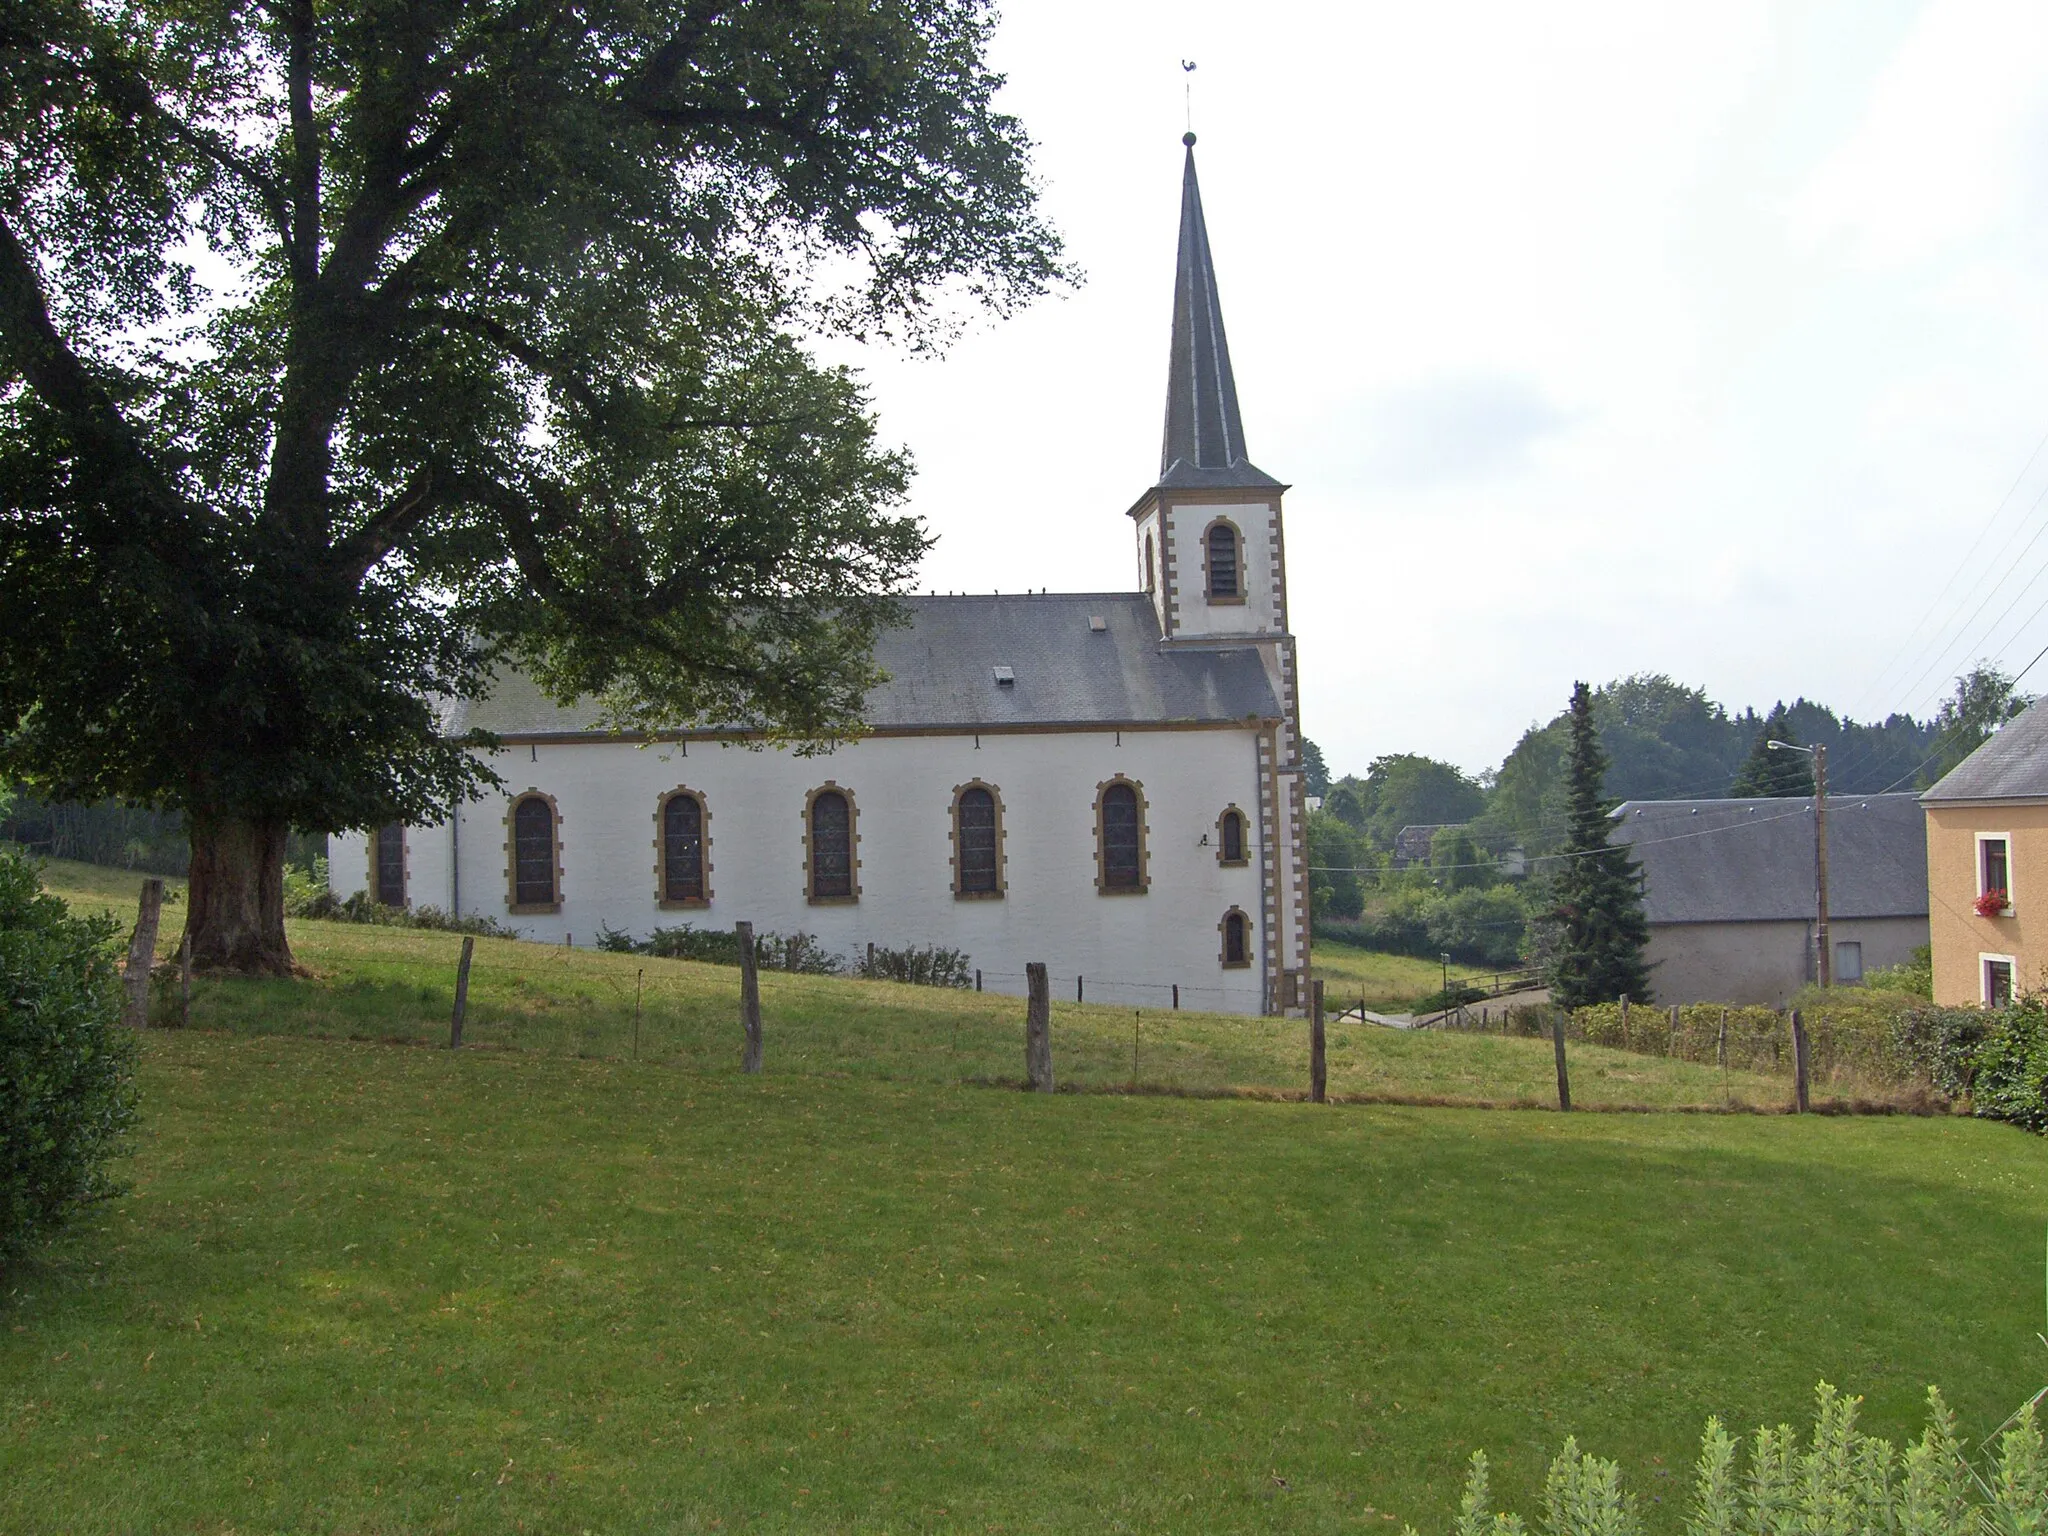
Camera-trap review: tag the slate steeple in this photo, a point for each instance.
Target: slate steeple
(1204, 431)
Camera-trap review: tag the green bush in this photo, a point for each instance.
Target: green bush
(67, 1067)
(1474, 927)
(927, 965)
(2010, 1077)
(306, 894)
(1845, 1481)
(1914, 977)
(799, 952)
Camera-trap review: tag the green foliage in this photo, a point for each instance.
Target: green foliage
(1984, 699)
(1335, 853)
(919, 965)
(2010, 1077)
(1315, 773)
(503, 365)
(1912, 977)
(1474, 927)
(1846, 1483)
(1454, 860)
(799, 952)
(1405, 790)
(1774, 772)
(1596, 891)
(67, 1094)
(306, 894)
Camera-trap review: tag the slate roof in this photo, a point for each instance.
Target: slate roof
(942, 668)
(1204, 442)
(2012, 765)
(1732, 861)
(1413, 845)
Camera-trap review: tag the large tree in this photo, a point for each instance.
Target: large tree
(349, 352)
(1596, 916)
(1772, 772)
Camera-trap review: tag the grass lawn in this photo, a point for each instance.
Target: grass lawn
(1388, 983)
(368, 1288)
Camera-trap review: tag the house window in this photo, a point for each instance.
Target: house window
(1120, 838)
(682, 851)
(1237, 939)
(1997, 979)
(1849, 960)
(977, 867)
(536, 848)
(387, 865)
(830, 832)
(1994, 866)
(1222, 543)
(1230, 837)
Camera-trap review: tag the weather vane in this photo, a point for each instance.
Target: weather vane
(1187, 68)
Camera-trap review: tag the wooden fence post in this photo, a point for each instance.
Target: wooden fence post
(639, 985)
(1037, 1028)
(185, 982)
(1318, 1060)
(1176, 997)
(1799, 1084)
(750, 996)
(1671, 1050)
(1137, 1018)
(142, 954)
(977, 978)
(1721, 1045)
(1077, 988)
(461, 992)
(1624, 1021)
(1564, 1082)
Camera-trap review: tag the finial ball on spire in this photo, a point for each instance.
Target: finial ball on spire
(1188, 139)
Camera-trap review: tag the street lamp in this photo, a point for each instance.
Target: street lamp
(1825, 958)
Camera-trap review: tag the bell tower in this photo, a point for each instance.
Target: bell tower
(1212, 558)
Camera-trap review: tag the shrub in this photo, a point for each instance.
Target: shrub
(308, 896)
(800, 952)
(67, 1067)
(1914, 977)
(2010, 1077)
(928, 966)
(1845, 1481)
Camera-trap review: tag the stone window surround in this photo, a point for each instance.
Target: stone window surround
(662, 899)
(404, 862)
(1244, 838)
(852, 845)
(953, 843)
(512, 903)
(1223, 947)
(1208, 581)
(1102, 885)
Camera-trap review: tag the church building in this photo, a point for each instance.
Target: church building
(1108, 782)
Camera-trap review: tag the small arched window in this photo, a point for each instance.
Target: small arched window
(387, 865)
(1223, 563)
(535, 869)
(1237, 938)
(831, 834)
(1148, 563)
(1121, 835)
(1230, 837)
(978, 870)
(682, 850)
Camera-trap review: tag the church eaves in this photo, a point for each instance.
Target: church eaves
(1204, 431)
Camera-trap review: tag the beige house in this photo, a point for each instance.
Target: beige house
(1987, 834)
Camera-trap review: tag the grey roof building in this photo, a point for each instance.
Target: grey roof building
(2012, 765)
(1730, 888)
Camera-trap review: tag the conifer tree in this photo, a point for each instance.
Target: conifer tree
(1774, 774)
(1597, 890)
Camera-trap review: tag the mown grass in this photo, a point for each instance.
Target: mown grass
(1385, 983)
(364, 1288)
(398, 985)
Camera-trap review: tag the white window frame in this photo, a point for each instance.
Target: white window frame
(1996, 837)
(1984, 963)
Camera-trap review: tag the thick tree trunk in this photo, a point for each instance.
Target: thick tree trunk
(235, 912)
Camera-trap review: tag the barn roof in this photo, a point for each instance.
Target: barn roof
(2012, 765)
(1733, 861)
(943, 667)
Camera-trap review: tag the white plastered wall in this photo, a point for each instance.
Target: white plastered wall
(1186, 524)
(1131, 949)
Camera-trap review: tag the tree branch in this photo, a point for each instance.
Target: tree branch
(303, 239)
(389, 524)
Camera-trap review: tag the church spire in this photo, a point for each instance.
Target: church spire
(1204, 432)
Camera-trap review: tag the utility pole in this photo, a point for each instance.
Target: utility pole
(1826, 967)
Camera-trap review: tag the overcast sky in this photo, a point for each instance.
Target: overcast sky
(1593, 340)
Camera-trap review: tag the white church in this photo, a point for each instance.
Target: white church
(1107, 782)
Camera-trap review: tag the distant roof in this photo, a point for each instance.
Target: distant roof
(1204, 441)
(1731, 861)
(942, 672)
(1416, 842)
(2012, 765)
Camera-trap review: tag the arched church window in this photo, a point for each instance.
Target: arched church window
(1237, 939)
(387, 865)
(1230, 841)
(1224, 572)
(1120, 838)
(977, 857)
(1148, 563)
(682, 851)
(830, 836)
(536, 854)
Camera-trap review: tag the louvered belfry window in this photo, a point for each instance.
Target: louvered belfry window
(1233, 838)
(1120, 838)
(831, 846)
(1235, 940)
(391, 865)
(977, 842)
(682, 850)
(1223, 561)
(533, 853)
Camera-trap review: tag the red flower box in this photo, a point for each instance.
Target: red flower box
(1992, 904)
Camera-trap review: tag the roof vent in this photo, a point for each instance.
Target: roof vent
(1097, 623)
(1006, 677)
